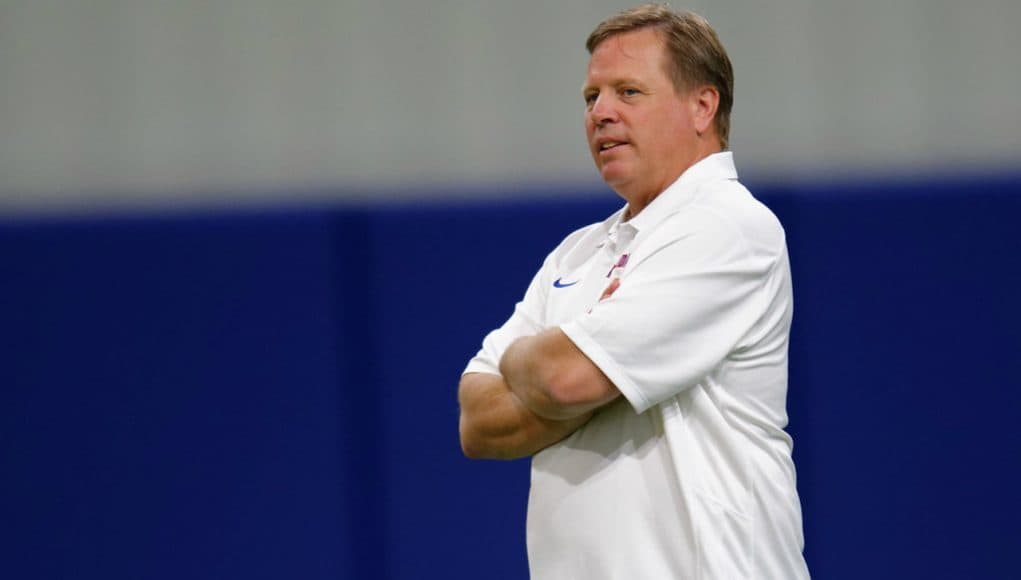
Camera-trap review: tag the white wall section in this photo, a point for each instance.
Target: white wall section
(114, 100)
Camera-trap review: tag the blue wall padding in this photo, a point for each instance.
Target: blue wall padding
(273, 394)
(906, 380)
(170, 399)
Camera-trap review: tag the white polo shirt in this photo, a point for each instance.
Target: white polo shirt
(689, 474)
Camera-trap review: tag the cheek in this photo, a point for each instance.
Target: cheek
(670, 131)
(589, 130)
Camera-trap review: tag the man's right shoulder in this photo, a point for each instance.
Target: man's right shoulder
(579, 239)
(576, 237)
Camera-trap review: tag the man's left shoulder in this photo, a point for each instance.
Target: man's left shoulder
(731, 203)
(727, 218)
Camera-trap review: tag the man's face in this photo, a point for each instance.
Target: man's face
(640, 131)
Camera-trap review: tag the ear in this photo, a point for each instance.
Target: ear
(704, 102)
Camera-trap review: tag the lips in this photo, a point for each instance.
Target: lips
(603, 145)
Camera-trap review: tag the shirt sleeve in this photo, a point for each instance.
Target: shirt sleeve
(679, 311)
(527, 319)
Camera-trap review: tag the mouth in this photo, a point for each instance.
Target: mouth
(604, 146)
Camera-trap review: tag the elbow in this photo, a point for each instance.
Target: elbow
(477, 449)
(469, 450)
(474, 450)
(473, 446)
(476, 445)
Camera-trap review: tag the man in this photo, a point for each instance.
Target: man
(645, 369)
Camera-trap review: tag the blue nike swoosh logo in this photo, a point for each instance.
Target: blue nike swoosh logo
(558, 284)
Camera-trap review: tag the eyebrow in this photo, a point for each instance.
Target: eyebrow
(586, 88)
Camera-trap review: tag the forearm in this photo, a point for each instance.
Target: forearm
(529, 376)
(554, 379)
(495, 424)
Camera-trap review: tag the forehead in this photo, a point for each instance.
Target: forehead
(635, 53)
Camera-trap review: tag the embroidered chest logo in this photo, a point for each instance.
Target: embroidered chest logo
(619, 265)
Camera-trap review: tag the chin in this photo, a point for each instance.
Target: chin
(615, 179)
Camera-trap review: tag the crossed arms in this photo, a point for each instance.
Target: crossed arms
(547, 390)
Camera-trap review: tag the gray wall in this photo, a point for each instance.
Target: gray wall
(108, 102)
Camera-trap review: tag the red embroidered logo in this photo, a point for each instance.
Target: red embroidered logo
(619, 265)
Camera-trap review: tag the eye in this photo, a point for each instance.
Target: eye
(590, 99)
(630, 92)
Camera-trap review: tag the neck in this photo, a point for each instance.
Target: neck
(638, 201)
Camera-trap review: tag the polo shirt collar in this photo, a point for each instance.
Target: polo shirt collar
(712, 168)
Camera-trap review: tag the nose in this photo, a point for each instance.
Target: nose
(603, 111)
